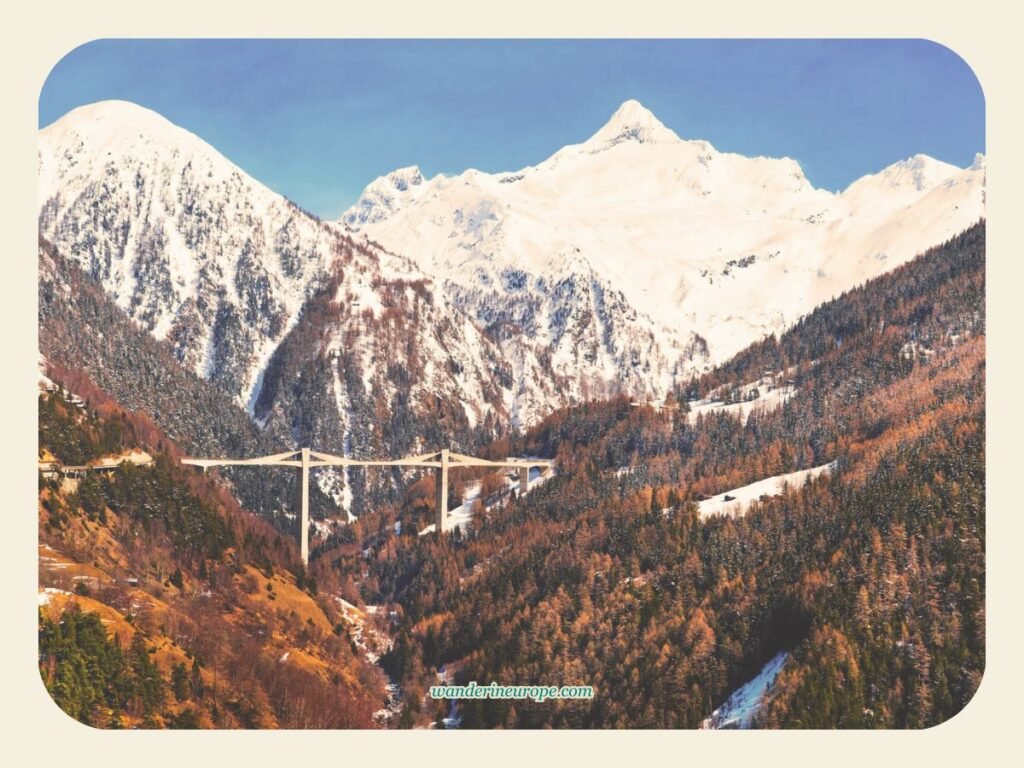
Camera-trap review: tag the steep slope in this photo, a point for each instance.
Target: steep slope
(321, 339)
(208, 259)
(87, 342)
(692, 245)
(374, 368)
(353, 376)
(164, 604)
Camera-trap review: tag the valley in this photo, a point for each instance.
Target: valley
(761, 513)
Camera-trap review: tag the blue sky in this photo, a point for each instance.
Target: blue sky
(316, 120)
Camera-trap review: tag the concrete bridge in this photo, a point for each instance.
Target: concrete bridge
(440, 461)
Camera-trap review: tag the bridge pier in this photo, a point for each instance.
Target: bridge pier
(304, 535)
(441, 493)
(440, 462)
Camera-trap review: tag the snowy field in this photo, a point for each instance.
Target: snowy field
(739, 709)
(770, 398)
(740, 498)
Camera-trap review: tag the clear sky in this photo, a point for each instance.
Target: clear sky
(316, 120)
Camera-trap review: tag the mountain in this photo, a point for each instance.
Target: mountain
(193, 248)
(638, 257)
(321, 339)
(466, 304)
(190, 246)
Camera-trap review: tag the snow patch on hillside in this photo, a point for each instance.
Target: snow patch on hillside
(736, 501)
(460, 516)
(47, 593)
(761, 396)
(742, 706)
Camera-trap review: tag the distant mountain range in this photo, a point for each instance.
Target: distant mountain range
(638, 256)
(458, 305)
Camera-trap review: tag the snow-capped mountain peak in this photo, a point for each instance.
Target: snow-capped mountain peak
(637, 256)
(113, 119)
(920, 172)
(383, 196)
(193, 248)
(907, 179)
(107, 132)
(632, 121)
(404, 178)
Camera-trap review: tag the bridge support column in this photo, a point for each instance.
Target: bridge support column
(304, 532)
(441, 493)
(524, 480)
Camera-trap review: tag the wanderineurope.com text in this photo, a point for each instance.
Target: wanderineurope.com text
(496, 691)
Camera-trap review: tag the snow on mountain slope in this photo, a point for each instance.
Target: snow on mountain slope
(234, 276)
(622, 263)
(190, 246)
(692, 244)
(376, 367)
(736, 501)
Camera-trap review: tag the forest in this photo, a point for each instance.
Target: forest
(166, 604)
(871, 577)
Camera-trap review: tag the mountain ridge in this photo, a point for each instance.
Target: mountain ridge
(625, 263)
(700, 243)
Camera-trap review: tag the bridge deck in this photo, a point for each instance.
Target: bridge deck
(440, 461)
